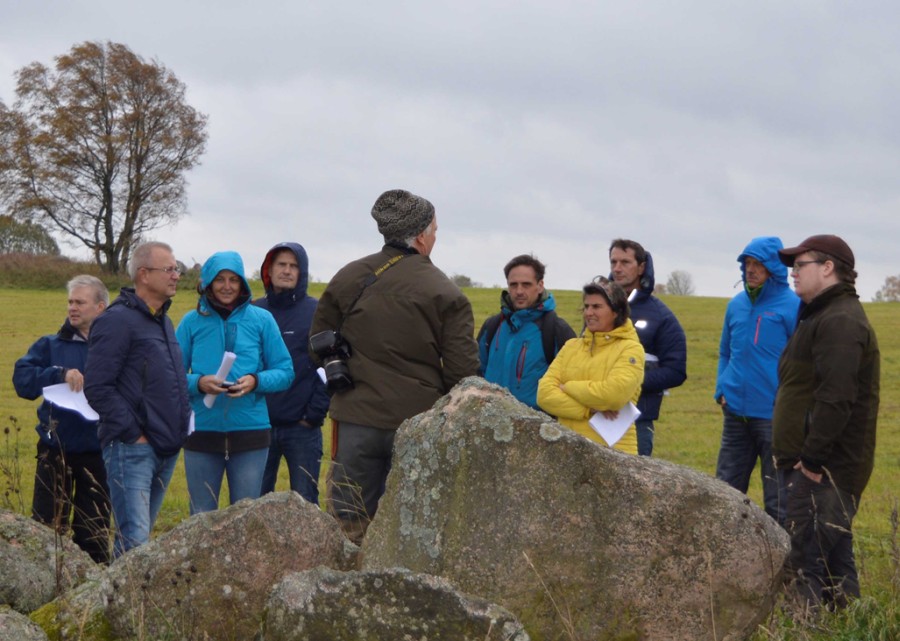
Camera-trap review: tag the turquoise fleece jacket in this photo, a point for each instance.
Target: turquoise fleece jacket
(252, 334)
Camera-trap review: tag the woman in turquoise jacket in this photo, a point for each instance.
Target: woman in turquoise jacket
(232, 429)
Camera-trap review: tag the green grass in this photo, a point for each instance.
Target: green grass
(688, 433)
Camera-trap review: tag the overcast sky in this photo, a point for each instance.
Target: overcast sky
(544, 127)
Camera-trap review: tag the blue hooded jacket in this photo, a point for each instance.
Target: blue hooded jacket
(45, 364)
(664, 344)
(754, 335)
(307, 398)
(252, 334)
(515, 358)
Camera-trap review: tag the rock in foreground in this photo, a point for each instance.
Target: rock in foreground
(382, 604)
(573, 538)
(208, 578)
(36, 564)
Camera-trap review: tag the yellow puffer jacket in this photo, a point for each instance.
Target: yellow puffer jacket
(600, 371)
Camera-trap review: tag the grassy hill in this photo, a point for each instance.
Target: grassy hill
(688, 432)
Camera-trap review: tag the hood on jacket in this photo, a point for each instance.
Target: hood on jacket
(219, 261)
(648, 280)
(302, 262)
(765, 250)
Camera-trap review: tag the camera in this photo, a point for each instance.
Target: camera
(333, 350)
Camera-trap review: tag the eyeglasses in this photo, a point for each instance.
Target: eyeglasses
(167, 270)
(800, 263)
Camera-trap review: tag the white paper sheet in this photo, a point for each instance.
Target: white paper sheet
(613, 430)
(227, 361)
(62, 395)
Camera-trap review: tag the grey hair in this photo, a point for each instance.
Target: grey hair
(427, 231)
(140, 257)
(101, 294)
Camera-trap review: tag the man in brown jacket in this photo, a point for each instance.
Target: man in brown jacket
(824, 421)
(410, 333)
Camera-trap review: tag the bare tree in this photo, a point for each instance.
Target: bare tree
(890, 291)
(680, 283)
(98, 148)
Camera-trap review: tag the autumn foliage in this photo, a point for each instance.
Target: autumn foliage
(97, 148)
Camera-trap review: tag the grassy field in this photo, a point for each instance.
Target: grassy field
(688, 432)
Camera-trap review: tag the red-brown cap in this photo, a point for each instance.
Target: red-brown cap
(825, 243)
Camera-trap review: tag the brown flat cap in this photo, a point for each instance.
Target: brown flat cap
(825, 243)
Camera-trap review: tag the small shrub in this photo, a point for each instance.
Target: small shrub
(34, 271)
(11, 471)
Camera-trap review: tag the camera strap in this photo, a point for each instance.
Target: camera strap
(370, 279)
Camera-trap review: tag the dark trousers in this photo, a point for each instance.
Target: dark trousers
(644, 430)
(819, 519)
(361, 460)
(744, 440)
(73, 486)
(301, 447)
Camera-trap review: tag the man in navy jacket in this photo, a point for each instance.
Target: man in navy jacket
(135, 380)
(297, 413)
(665, 367)
(69, 479)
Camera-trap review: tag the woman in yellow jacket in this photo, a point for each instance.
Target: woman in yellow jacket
(600, 371)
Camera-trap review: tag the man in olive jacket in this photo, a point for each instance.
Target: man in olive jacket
(826, 408)
(410, 332)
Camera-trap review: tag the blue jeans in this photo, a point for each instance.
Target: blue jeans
(301, 447)
(744, 440)
(644, 437)
(204, 471)
(137, 478)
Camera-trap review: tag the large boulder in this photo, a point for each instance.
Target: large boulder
(15, 626)
(576, 539)
(36, 564)
(207, 578)
(382, 604)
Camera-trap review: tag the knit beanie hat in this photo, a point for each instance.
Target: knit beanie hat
(401, 215)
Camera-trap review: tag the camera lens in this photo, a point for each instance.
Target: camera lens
(337, 375)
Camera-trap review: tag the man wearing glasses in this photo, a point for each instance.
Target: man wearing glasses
(824, 422)
(135, 380)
